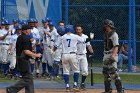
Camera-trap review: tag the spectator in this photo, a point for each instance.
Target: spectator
(123, 55)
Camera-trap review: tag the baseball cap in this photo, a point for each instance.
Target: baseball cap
(25, 27)
(69, 28)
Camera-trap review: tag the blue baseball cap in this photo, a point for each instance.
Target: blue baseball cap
(69, 28)
(30, 20)
(19, 27)
(23, 22)
(5, 22)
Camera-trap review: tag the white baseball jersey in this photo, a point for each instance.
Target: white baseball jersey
(7, 40)
(58, 52)
(54, 34)
(81, 47)
(69, 42)
(45, 37)
(36, 34)
(13, 29)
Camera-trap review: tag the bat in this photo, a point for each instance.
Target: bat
(91, 77)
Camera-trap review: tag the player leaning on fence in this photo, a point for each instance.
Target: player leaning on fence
(111, 57)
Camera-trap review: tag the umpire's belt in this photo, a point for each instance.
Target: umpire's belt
(107, 52)
(5, 44)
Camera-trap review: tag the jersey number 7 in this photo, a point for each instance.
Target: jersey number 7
(69, 40)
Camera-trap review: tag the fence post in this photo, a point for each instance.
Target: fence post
(129, 36)
(134, 32)
(66, 11)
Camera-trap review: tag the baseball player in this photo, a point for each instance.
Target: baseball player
(57, 51)
(45, 36)
(81, 54)
(36, 23)
(69, 58)
(2, 37)
(61, 24)
(14, 25)
(110, 58)
(5, 46)
(51, 40)
(13, 51)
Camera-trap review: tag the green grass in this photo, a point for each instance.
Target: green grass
(126, 79)
(98, 79)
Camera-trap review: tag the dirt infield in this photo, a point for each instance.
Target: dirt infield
(63, 91)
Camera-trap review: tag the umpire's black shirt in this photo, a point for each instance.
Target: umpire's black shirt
(23, 43)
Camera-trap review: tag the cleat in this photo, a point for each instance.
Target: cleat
(8, 90)
(67, 89)
(76, 88)
(82, 86)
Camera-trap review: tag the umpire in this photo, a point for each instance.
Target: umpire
(23, 54)
(110, 59)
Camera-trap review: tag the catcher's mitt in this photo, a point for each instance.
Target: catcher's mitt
(109, 61)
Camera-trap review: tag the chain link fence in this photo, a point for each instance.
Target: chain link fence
(91, 14)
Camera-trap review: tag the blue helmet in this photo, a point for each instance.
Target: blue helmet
(3, 18)
(69, 28)
(19, 27)
(5, 22)
(15, 21)
(23, 22)
(61, 30)
(48, 19)
(44, 20)
(50, 24)
(35, 20)
(30, 20)
(2, 23)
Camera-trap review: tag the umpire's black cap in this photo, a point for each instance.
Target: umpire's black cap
(25, 27)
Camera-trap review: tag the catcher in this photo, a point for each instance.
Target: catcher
(110, 58)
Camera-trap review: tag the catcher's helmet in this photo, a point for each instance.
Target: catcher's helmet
(109, 23)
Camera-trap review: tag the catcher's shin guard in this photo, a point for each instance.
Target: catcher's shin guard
(119, 86)
(108, 87)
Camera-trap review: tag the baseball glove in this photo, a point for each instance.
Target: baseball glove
(109, 61)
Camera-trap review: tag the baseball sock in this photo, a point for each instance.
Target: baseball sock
(5, 68)
(38, 63)
(50, 69)
(66, 78)
(83, 79)
(44, 67)
(56, 68)
(76, 76)
(32, 68)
